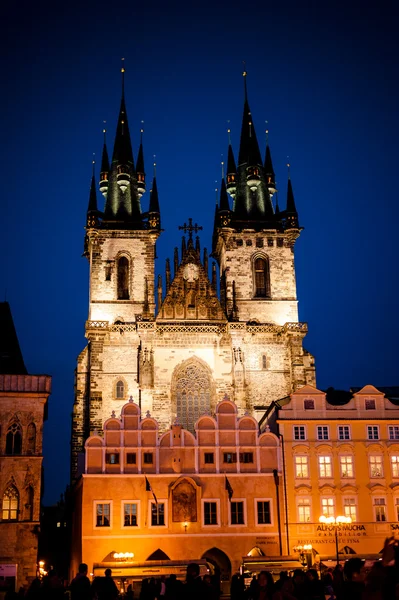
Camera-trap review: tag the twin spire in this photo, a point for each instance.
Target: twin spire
(122, 183)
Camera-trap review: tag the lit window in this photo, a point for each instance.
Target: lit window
(237, 513)
(325, 466)
(346, 464)
(246, 457)
(157, 514)
(262, 278)
(103, 515)
(208, 458)
(263, 512)
(322, 432)
(395, 466)
(308, 404)
(130, 514)
(380, 509)
(369, 404)
(344, 432)
(327, 507)
(112, 458)
(301, 466)
(120, 389)
(350, 508)
(393, 431)
(10, 504)
(299, 432)
(210, 513)
(229, 457)
(303, 507)
(373, 432)
(375, 466)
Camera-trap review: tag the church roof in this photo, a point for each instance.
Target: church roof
(11, 360)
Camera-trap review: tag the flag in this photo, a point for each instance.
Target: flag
(148, 488)
(228, 488)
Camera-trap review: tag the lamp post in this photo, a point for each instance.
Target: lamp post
(335, 522)
(305, 554)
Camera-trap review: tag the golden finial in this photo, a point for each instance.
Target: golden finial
(229, 131)
(123, 65)
(222, 165)
(288, 166)
(244, 73)
(155, 166)
(267, 132)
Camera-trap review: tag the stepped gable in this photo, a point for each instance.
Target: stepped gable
(191, 296)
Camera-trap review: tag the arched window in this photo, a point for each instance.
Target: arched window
(31, 447)
(265, 362)
(262, 278)
(14, 439)
(120, 389)
(10, 504)
(192, 394)
(123, 278)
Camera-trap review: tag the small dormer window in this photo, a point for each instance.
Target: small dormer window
(370, 404)
(308, 404)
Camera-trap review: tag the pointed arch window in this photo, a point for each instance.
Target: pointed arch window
(123, 278)
(193, 395)
(262, 278)
(14, 439)
(120, 389)
(10, 504)
(31, 446)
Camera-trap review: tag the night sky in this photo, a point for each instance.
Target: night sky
(326, 80)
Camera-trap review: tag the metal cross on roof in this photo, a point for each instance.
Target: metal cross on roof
(190, 228)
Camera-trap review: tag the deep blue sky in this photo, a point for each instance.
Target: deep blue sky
(326, 79)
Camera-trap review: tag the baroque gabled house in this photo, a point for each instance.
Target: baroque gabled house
(23, 409)
(174, 356)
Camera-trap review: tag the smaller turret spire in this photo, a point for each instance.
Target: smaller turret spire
(140, 173)
(123, 78)
(268, 166)
(104, 166)
(231, 169)
(154, 215)
(92, 211)
(291, 212)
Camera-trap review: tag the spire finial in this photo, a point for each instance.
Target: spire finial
(123, 77)
(216, 193)
(105, 131)
(267, 132)
(289, 167)
(155, 166)
(222, 165)
(229, 131)
(93, 161)
(244, 74)
(141, 131)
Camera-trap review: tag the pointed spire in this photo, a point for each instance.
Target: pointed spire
(197, 246)
(268, 166)
(103, 184)
(154, 215)
(224, 199)
(205, 261)
(175, 261)
(249, 148)
(92, 211)
(214, 276)
(140, 173)
(231, 169)
(291, 212)
(159, 291)
(167, 274)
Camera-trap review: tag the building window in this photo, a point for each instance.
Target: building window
(395, 466)
(322, 432)
(375, 466)
(373, 432)
(14, 439)
(346, 464)
(10, 506)
(369, 404)
(130, 515)
(31, 436)
(280, 242)
(350, 508)
(303, 506)
(301, 466)
(239, 242)
(344, 432)
(157, 514)
(308, 404)
(262, 278)
(112, 458)
(325, 466)
(327, 507)
(237, 513)
(270, 242)
(193, 394)
(265, 362)
(131, 458)
(380, 509)
(103, 515)
(208, 458)
(229, 457)
(210, 513)
(259, 242)
(147, 458)
(263, 512)
(120, 389)
(299, 432)
(393, 432)
(123, 278)
(246, 457)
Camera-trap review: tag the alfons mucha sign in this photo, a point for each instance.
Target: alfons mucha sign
(348, 534)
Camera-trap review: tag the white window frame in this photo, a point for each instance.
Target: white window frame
(321, 429)
(344, 427)
(394, 460)
(123, 526)
(393, 432)
(324, 461)
(349, 513)
(376, 462)
(299, 500)
(244, 500)
(331, 506)
(342, 467)
(304, 432)
(371, 429)
(384, 504)
(296, 470)
(95, 504)
(165, 502)
(270, 501)
(217, 502)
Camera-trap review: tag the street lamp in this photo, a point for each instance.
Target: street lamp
(335, 522)
(305, 554)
